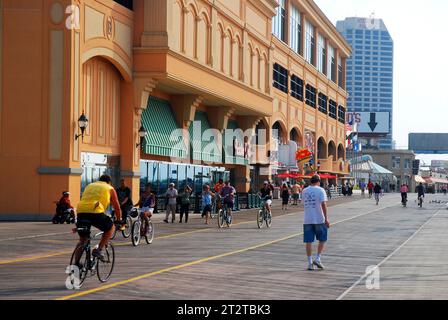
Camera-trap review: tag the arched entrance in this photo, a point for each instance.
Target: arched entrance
(100, 149)
(341, 152)
(279, 132)
(295, 136)
(322, 152)
(332, 150)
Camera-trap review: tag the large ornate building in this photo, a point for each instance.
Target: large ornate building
(186, 71)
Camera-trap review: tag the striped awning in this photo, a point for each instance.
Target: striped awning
(158, 119)
(204, 145)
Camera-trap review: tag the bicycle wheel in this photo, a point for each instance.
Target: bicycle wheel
(127, 231)
(149, 237)
(260, 219)
(268, 219)
(83, 263)
(136, 234)
(104, 268)
(221, 218)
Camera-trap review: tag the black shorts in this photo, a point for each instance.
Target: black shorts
(207, 209)
(98, 220)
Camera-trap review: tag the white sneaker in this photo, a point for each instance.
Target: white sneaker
(311, 267)
(318, 264)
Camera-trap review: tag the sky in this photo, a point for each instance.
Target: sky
(419, 31)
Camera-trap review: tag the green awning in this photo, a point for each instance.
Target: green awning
(201, 149)
(158, 119)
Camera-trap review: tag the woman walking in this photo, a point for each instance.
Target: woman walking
(206, 203)
(185, 203)
(285, 196)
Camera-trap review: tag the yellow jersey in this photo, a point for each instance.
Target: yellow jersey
(95, 199)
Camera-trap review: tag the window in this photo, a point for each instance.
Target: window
(278, 23)
(310, 43)
(280, 78)
(407, 163)
(340, 72)
(332, 109)
(396, 162)
(323, 102)
(341, 114)
(321, 54)
(297, 87)
(126, 3)
(296, 30)
(311, 96)
(331, 64)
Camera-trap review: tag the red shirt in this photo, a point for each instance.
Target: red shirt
(65, 202)
(370, 186)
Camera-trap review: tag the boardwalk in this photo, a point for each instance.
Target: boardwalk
(195, 261)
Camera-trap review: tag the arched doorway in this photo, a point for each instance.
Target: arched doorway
(100, 149)
(341, 152)
(332, 150)
(322, 152)
(295, 136)
(279, 132)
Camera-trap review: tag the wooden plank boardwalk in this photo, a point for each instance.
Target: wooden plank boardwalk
(198, 262)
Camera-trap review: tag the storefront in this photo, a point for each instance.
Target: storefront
(160, 174)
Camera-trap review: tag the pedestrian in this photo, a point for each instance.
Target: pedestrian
(370, 187)
(171, 196)
(377, 190)
(185, 203)
(295, 194)
(285, 196)
(316, 223)
(363, 189)
(124, 198)
(207, 196)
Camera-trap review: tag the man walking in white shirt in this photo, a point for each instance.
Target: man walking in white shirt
(316, 223)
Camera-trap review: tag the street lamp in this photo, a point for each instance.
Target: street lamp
(142, 133)
(83, 123)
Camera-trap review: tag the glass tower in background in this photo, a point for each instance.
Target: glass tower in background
(370, 69)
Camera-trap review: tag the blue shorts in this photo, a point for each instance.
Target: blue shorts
(315, 231)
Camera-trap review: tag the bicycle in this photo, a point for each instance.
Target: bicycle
(217, 205)
(131, 217)
(420, 201)
(88, 265)
(224, 216)
(264, 215)
(141, 229)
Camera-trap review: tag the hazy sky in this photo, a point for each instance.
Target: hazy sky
(419, 31)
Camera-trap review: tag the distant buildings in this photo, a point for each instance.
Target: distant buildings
(369, 71)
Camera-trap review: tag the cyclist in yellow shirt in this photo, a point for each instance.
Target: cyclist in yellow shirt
(91, 212)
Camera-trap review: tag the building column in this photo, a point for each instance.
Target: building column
(139, 92)
(184, 108)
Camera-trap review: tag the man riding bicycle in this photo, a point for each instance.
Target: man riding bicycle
(266, 196)
(228, 195)
(420, 191)
(91, 212)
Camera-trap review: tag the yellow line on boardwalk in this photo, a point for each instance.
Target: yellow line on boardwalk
(196, 262)
(185, 265)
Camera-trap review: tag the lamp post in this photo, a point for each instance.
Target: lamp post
(142, 133)
(83, 123)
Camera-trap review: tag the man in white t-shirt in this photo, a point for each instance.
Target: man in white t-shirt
(316, 223)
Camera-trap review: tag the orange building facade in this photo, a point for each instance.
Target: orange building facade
(162, 65)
